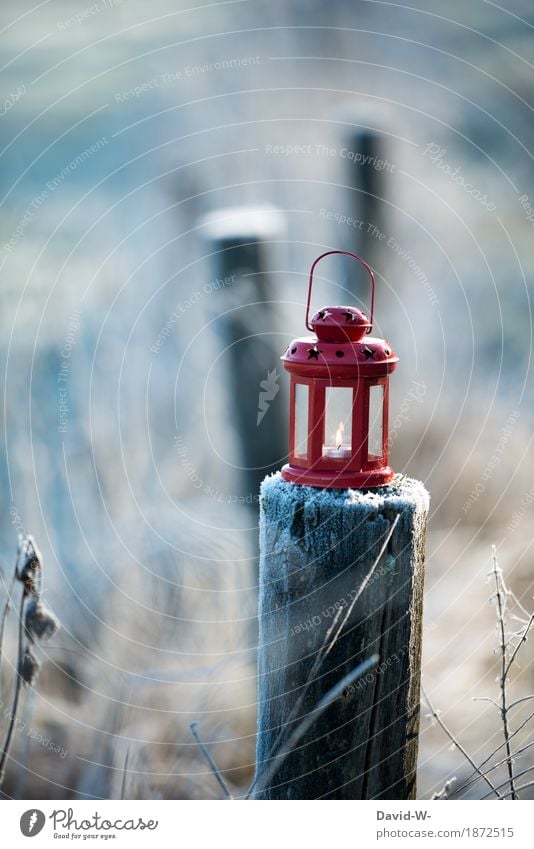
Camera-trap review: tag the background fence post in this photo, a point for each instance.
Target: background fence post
(367, 145)
(242, 243)
(341, 576)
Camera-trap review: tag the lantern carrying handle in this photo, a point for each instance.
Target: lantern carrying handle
(362, 262)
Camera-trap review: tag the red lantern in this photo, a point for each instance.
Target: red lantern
(338, 424)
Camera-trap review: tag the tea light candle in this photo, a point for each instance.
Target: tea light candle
(341, 450)
(337, 452)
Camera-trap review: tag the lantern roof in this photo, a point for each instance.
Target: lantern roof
(341, 356)
(340, 324)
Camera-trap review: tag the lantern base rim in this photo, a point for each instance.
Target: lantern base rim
(370, 479)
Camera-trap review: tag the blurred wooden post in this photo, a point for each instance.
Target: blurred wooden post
(366, 172)
(241, 243)
(316, 548)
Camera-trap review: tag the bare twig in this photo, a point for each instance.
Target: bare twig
(36, 623)
(18, 686)
(520, 701)
(125, 772)
(523, 787)
(507, 659)
(473, 778)
(6, 609)
(458, 745)
(505, 666)
(507, 782)
(498, 749)
(213, 766)
(325, 649)
(334, 693)
(487, 699)
(522, 639)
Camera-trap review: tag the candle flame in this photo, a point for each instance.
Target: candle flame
(339, 434)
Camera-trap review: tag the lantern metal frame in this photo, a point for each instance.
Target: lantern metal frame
(341, 354)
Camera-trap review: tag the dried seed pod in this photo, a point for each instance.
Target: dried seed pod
(29, 668)
(31, 566)
(39, 621)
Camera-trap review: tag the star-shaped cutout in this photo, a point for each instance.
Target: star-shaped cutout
(368, 352)
(323, 314)
(349, 316)
(313, 353)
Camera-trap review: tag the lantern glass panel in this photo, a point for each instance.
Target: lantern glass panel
(338, 422)
(301, 420)
(376, 418)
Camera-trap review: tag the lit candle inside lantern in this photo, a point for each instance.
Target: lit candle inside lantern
(341, 450)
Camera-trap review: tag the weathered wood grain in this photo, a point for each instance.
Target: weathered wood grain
(317, 546)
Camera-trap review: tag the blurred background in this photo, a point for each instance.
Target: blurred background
(168, 176)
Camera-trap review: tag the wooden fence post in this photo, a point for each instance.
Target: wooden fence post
(366, 173)
(240, 241)
(341, 581)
